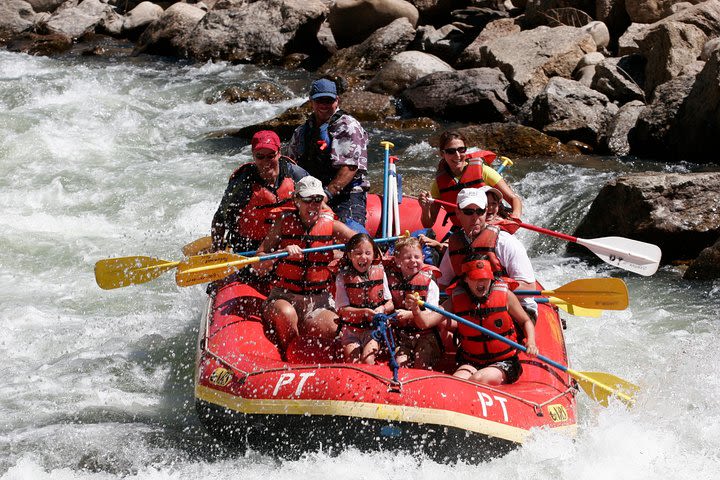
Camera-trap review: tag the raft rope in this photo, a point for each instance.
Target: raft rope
(382, 333)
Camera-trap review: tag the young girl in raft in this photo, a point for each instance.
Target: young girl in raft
(483, 300)
(408, 275)
(361, 291)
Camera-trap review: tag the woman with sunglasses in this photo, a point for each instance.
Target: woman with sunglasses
(300, 302)
(455, 172)
(255, 189)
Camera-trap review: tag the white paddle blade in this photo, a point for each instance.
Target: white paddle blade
(631, 255)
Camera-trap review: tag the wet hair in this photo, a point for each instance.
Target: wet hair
(448, 136)
(406, 242)
(356, 240)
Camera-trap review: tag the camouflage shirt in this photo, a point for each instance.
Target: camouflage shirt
(347, 147)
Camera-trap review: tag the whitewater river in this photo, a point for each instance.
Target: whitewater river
(103, 158)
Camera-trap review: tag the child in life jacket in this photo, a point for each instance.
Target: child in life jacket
(483, 300)
(361, 291)
(408, 275)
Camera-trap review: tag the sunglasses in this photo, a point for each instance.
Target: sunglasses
(315, 199)
(473, 211)
(453, 151)
(265, 156)
(325, 100)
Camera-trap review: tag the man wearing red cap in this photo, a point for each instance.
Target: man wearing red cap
(255, 189)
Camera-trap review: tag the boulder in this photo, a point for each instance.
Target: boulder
(166, 35)
(471, 57)
(374, 52)
(74, 19)
(613, 14)
(252, 92)
(650, 11)
(513, 139)
(45, 5)
(404, 69)
(476, 95)
(530, 58)
(353, 21)
(706, 266)
(613, 81)
(16, 16)
(36, 44)
(140, 17)
(570, 111)
(677, 212)
(446, 43)
(616, 136)
(264, 31)
(558, 12)
(368, 106)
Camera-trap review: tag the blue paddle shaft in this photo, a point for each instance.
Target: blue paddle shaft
(385, 203)
(273, 256)
(492, 334)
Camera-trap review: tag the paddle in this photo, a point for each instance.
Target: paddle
(569, 307)
(631, 255)
(215, 266)
(386, 172)
(598, 385)
(197, 247)
(120, 272)
(598, 293)
(506, 162)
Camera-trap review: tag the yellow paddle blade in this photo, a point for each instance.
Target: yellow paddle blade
(209, 268)
(601, 386)
(197, 247)
(574, 309)
(600, 293)
(120, 272)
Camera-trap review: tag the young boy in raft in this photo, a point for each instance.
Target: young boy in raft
(361, 291)
(408, 274)
(483, 300)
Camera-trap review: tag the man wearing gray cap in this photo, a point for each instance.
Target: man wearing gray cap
(332, 146)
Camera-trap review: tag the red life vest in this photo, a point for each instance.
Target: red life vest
(505, 224)
(491, 314)
(484, 244)
(256, 217)
(363, 291)
(449, 187)
(419, 283)
(310, 275)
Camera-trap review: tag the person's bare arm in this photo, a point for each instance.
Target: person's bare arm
(511, 197)
(520, 317)
(343, 176)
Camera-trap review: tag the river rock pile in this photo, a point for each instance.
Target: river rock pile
(530, 77)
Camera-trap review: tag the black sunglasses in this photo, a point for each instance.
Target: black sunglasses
(265, 156)
(453, 151)
(325, 100)
(315, 199)
(472, 211)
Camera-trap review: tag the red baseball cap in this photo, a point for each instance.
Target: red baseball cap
(478, 269)
(265, 139)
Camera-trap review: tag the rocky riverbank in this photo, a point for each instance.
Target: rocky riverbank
(529, 77)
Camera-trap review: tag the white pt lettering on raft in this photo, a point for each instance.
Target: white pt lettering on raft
(488, 401)
(288, 378)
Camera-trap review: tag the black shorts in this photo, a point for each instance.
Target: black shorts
(511, 366)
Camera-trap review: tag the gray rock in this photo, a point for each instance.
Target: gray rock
(677, 212)
(476, 94)
(706, 266)
(616, 138)
(353, 21)
(570, 111)
(166, 35)
(615, 83)
(513, 139)
(141, 16)
(404, 69)
(16, 16)
(75, 21)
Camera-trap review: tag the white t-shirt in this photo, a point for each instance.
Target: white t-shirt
(433, 295)
(341, 296)
(511, 254)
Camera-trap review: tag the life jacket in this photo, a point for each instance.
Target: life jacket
(449, 187)
(315, 147)
(255, 218)
(484, 244)
(364, 291)
(400, 287)
(492, 313)
(310, 275)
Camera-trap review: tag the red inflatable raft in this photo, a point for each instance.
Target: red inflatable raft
(245, 391)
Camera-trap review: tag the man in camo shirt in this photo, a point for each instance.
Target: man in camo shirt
(332, 146)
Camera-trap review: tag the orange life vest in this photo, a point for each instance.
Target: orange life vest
(400, 287)
(491, 314)
(484, 244)
(449, 187)
(363, 291)
(256, 217)
(310, 275)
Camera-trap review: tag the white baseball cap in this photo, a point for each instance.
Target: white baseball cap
(487, 189)
(309, 187)
(471, 196)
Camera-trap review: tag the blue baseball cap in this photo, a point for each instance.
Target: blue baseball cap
(323, 88)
